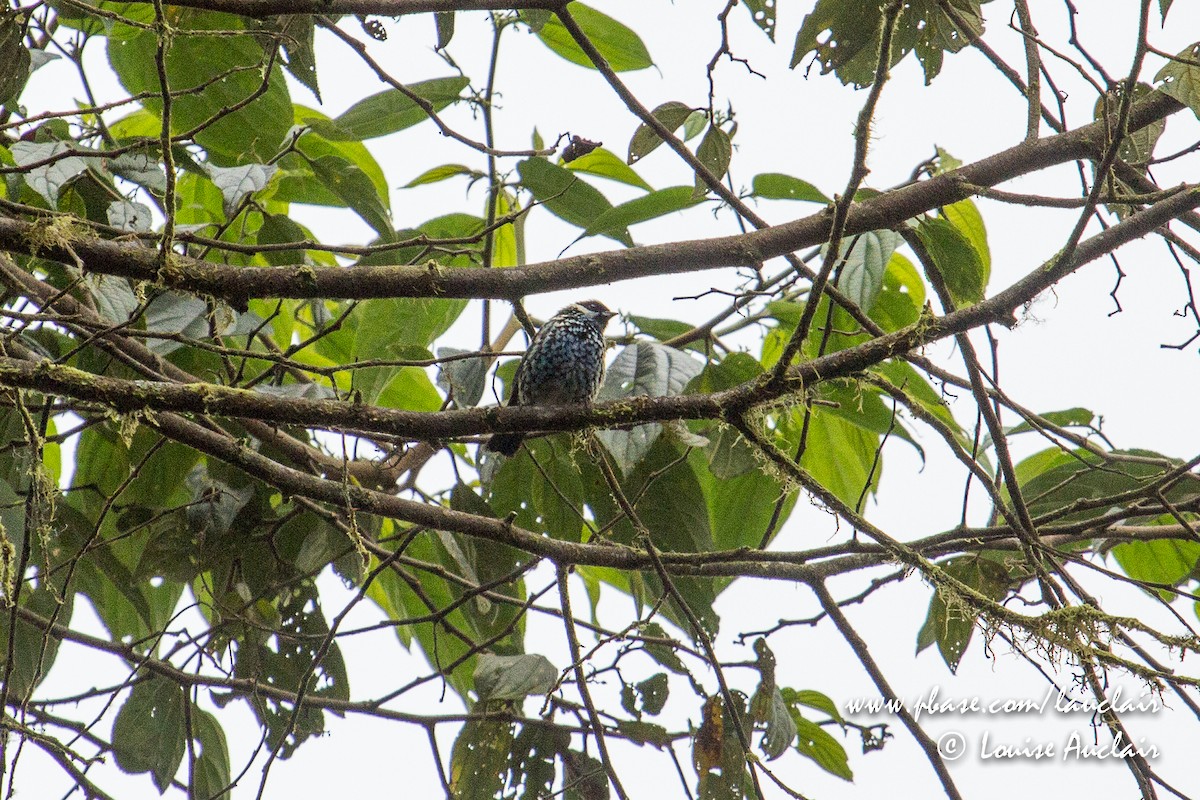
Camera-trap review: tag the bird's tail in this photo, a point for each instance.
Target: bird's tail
(505, 443)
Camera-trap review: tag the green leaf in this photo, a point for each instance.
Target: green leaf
(1067, 418)
(236, 183)
(1138, 147)
(844, 37)
(864, 259)
(212, 774)
(437, 174)
(480, 759)
(643, 369)
(391, 110)
(695, 124)
(714, 153)
(815, 743)
(281, 229)
(671, 114)
(813, 699)
(229, 70)
(662, 653)
(585, 777)
(444, 20)
(777, 186)
(464, 379)
(645, 733)
(355, 188)
(1182, 80)
(661, 329)
(34, 652)
(902, 296)
(513, 677)
(763, 14)
(641, 209)
(951, 621)
(566, 196)
(148, 734)
(297, 184)
(1052, 480)
(297, 42)
(956, 258)
(533, 754)
(115, 300)
(653, 693)
(606, 164)
(15, 57)
(47, 180)
(133, 217)
(1166, 561)
(286, 660)
(619, 45)
(780, 727)
(964, 216)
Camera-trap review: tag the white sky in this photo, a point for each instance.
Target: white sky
(1066, 352)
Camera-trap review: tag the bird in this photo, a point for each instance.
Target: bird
(563, 365)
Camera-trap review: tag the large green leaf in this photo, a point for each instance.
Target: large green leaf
(957, 259)
(777, 186)
(15, 56)
(951, 622)
(606, 164)
(33, 650)
(513, 677)
(844, 36)
(643, 369)
(390, 111)
(1181, 78)
(671, 114)
(1167, 561)
(714, 152)
(863, 260)
(149, 733)
(354, 187)
(288, 661)
(1053, 480)
(229, 68)
(620, 46)
(641, 209)
(567, 196)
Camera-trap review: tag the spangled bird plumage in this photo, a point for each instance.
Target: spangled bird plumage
(564, 365)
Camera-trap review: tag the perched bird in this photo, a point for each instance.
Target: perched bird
(564, 365)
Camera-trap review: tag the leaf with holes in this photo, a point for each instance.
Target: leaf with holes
(148, 734)
(1181, 78)
(645, 139)
(129, 216)
(951, 622)
(763, 14)
(714, 153)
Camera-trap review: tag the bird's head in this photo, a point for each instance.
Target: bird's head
(593, 310)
